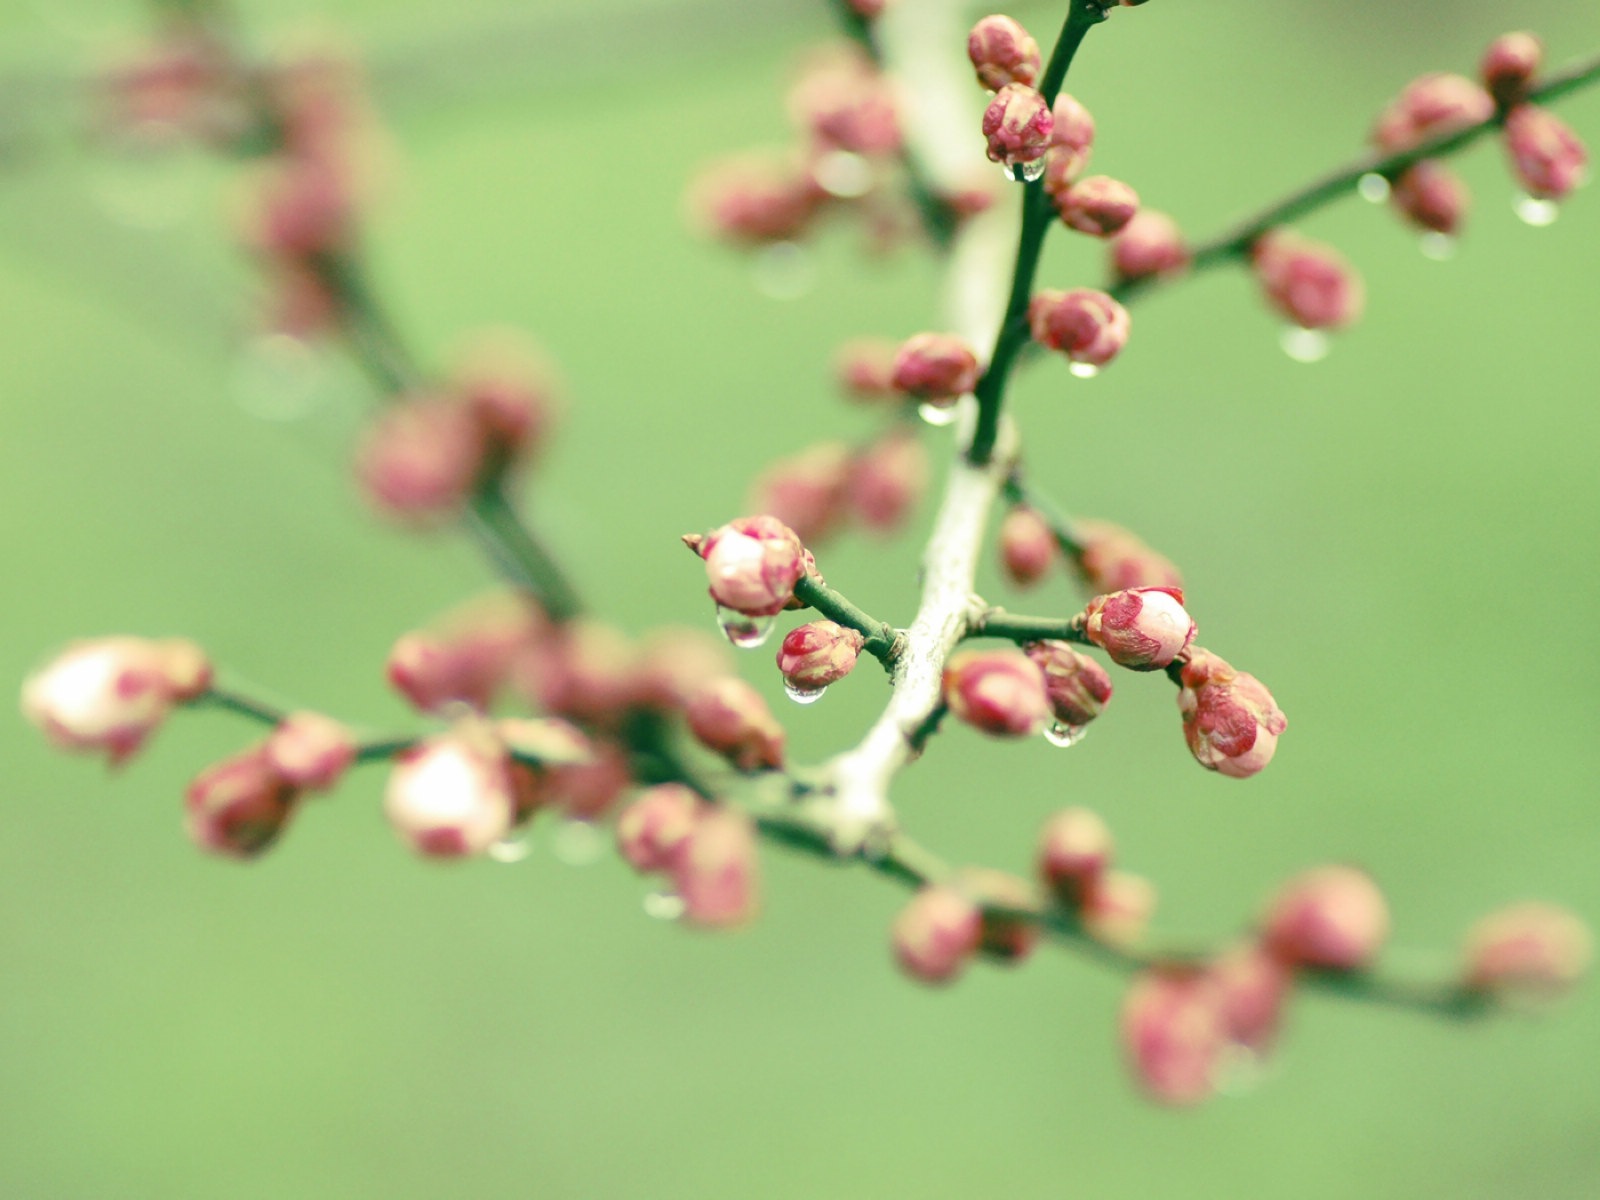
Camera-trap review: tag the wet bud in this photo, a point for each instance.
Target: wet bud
(818, 654)
(1547, 158)
(1118, 907)
(1230, 720)
(1431, 107)
(1143, 629)
(717, 873)
(755, 200)
(1112, 559)
(653, 831)
(1252, 989)
(1028, 546)
(864, 368)
(452, 795)
(807, 490)
(1149, 246)
(301, 208)
(1017, 124)
(1509, 65)
(1002, 52)
(1527, 952)
(1332, 918)
(1075, 850)
(998, 691)
(1099, 206)
(1085, 325)
(418, 460)
(936, 935)
(937, 367)
(239, 806)
(309, 751)
(109, 695)
(1077, 687)
(1431, 196)
(887, 480)
(1174, 1033)
(845, 103)
(729, 716)
(1002, 936)
(1307, 282)
(753, 564)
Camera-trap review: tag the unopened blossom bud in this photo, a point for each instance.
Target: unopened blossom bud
(1099, 206)
(1028, 547)
(466, 656)
(717, 871)
(1002, 52)
(1431, 107)
(887, 480)
(586, 670)
(1117, 908)
(109, 695)
(1528, 951)
(1077, 687)
(1252, 988)
(806, 491)
(729, 716)
(1149, 246)
(1002, 935)
(817, 654)
(239, 806)
(937, 367)
(864, 368)
(1017, 124)
(419, 459)
(755, 200)
(1112, 559)
(1330, 918)
(845, 103)
(1075, 849)
(1509, 65)
(302, 208)
(936, 935)
(1309, 283)
(1143, 629)
(1431, 196)
(998, 691)
(1087, 326)
(868, 8)
(310, 751)
(586, 791)
(1174, 1034)
(653, 831)
(1231, 722)
(1547, 158)
(1072, 125)
(452, 795)
(753, 564)
(507, 388)
(298, 302)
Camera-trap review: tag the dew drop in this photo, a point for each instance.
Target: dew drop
(1440, 247)
(151, 179)
(1533, 211)
(783, 271)
(745, 632)
(512, 848)
(1304, 345)
(1373, 188)
(1083, 370)
(1064, 735)
(1027, 172)
(1240, 1070)
(663, 906)
(280, 378)
(844, 174)
(803, 695)
(937, 415)
(577, 843)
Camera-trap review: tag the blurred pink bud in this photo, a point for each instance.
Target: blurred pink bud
(864, 368)
(585, 791)
(868, 8)
(1331, 918)
(817, 654)
(1230, 720)
(845, 103)
(653, 831)
(1509, 65)
(1085, 325)
(1252, 988)
(1431, 196)
(936, 935)
(309, 751)
(1547, 158)
(452, 795)
(1062, 167)
(1431, 107)
(185, 83)
(1072, 126)
(467, 655)
(110, 694)
(1017, 124)
(971, 197)
(1306, 281)
(1112, 559)
(1077, 687)
(1075, 849)
(1117, 909)
(1149, 246)
(674, 662)
(584, 669)
(1099, 206)
(755, 199)
(301, 208)
(419, 459)
(299, 303)
(1527, 952)
(753, 564)
(887, 479)
(1143, 629)
(1002, 52)
(1002, 936)
(1174, 1034)
(1028, 547)
(717, 872)
(239, 806)
(807, 490)
(504, 383)
(729, 716)
(998, 691)
(937, 367)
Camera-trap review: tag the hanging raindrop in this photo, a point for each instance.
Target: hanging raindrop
(280, 378)
(512, 848)
(1027, 172)
(1373, 188)
(1240, 1070)
(1531, 210)
(1440, 247)
(803, 695)
(783, 271)
(663, 906)
(577, 843)
(745, 632)
(1064, 735)
(844, 174)
(937, 415)
(1083, 370)
(1304, 345)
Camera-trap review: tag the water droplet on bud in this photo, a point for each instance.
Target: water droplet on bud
(745, 632)
(1533, 211)
(512, 848)
(280, 378)
(803, 695)
(1026, 172)
(844, 174)
(1240, 1070)
(577, 843)
(937, 415)
(1440, 247)
(783, 271)
(1064, 735)
(1083, 370)
(1373, 188)
(663, 906)
(1304, 345)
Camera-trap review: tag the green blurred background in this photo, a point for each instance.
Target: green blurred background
(1401, 540)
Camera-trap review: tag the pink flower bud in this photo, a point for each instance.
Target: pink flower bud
(845, 103)
(1075, 849)
(936, 935)
(998, 691)
(584, 669)
(110, 694)
(452, 795)
(1017, 124)
(302, 208)
(238, 807)
(753, 564)
(1431, 196)
(309, 751)
(1230, 720)
(755, 200)
(585, 791)
(1077, 687)
(1112, 560)
(1509, 65)
(1174, 1033)
(506, 386)
(729, 716)
(1309, 283)
(1332, 918)
(1547, 158)
(864, 368)
(806, 491)
(1117, 908)
(1085, 325)
(1143, 629)
(1149, 246)
(818, 654)
(1072, 126)
(1002, 52)
(887, 480)
(419, 460)
(869, 9)
(937, 367)
(1431, 107)
(717, 873)
(299, 303)
(1252, 989)
(653, 831)
(1028, 546)
(1062, 167)
(1099, 206)
(1002, 936)
(1527, 952)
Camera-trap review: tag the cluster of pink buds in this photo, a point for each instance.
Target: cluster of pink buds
(708, 853)
(1074, 862)
(830, 485)
(183, 85)
(1018, 122)
(1111, 559)
(946, 925)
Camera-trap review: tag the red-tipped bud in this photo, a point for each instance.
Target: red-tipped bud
(1252, 989)
(1149, 246)
(1028, 547)
(1547, 158)
(1309, 283)
(864, 368)
(452, 795)
(1431, 107)
(1174, 1033)
(937, 367)
(1017, 124)
(755, 200)
(1143, 629)
(1087, 326)
(1075, 849)
(507, 388)
(653, 831)
(998, 691)
(1078, 688)
(1099, 206)
(1432, 196)
(239, 806)
(1230, 720)
(887, 480)
(1002, 936)
(1002, 52)
(109, 695)
(807, 490)
(717, 873)
(1111, 559)
(1118, 908)
(310, 751)
(817, 654)
(845, 103)
(1509, 65)
(1332, 918)
(936, 935)
(301, 208)
(419, 459)
(729, 716)
(753, 564)
(1527, 952)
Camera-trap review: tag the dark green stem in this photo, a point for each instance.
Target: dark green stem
(883, 641)
(1018, 491)
(997, 623)
(518, 553)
